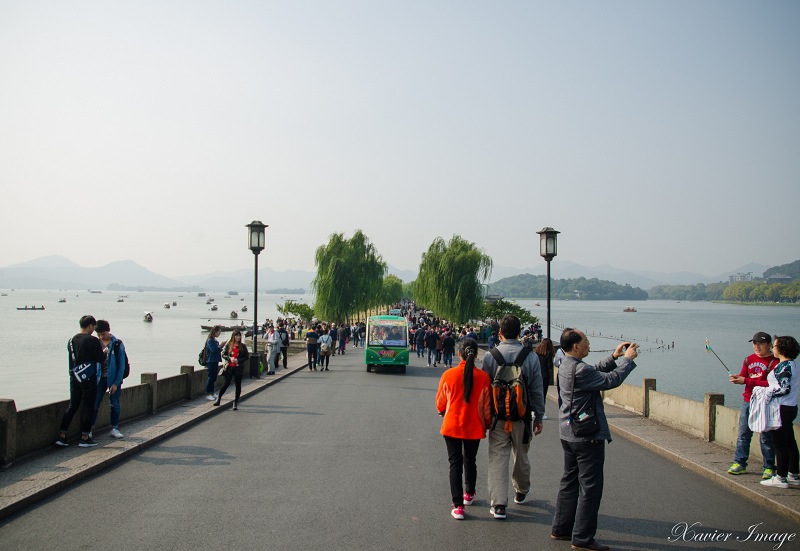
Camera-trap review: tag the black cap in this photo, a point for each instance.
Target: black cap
(761, 337)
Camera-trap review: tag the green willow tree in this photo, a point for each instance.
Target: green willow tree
(450, 279)
(349, 277)
(392, 289)
(498, 309)
(298, 309)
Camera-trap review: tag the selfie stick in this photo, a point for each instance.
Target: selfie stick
(708, 347)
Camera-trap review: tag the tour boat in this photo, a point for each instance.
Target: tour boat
(214, 308)
(234, 314)
(244, 308)
(166, 305)
(31, 308)
(629, 309)
(148, 317)
(62, 300)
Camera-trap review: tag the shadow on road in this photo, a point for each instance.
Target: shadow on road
(185, 455)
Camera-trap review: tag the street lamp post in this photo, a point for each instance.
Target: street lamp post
(256, 243)
(547, 248)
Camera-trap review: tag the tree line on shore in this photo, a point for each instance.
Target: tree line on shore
(532, 286)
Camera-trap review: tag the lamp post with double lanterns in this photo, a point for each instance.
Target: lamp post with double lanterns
(547, 248)
(256, 243)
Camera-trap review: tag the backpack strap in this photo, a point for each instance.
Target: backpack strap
(498, 357)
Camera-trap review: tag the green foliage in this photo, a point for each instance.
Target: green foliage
(498, 309)
(700, 291)
(408, 290)
(759, 291)
(349, 277)
(450, 279)
(530, 286)
(300, 310)
(792, 270)
(392, 289)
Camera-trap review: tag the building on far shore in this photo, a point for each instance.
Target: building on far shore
(778, 278)
(740, 277)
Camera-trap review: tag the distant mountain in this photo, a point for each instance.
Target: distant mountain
(242, 280)
(56, 272)
(405, 276)
(792, 270)
(636, 278)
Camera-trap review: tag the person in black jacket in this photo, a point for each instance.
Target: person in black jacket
(431, 338)
(235, 355)
(85, 358)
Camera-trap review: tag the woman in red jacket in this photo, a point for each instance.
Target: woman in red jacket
(463, 400)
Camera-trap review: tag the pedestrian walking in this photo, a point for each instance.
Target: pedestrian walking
(274, 346)
(463, 401)
(325, 351)
(311, 350)
(546, 353)
(235, 355)
(213, 358)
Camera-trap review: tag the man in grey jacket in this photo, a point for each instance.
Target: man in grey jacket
(581, 486)
(515, 444)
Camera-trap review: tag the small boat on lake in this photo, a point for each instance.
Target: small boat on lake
(174, 302)
(234, 314)
(120, 299)
(148, 317)
(166, 305)
(214, 308)
(244, 308)
(629, 309)
(31, 308)
(62, 300)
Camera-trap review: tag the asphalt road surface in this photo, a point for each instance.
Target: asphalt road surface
(346, 459)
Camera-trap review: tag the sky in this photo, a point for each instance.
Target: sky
(657, 135)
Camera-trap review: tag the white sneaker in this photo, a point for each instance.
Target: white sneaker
(775, 482)
(116, 433)
(793, 479)
(210, 397)
(545, 418)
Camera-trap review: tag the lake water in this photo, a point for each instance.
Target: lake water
(33, 363)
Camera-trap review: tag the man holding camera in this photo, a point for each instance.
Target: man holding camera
(579, 386)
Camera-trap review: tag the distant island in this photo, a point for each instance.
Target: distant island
(531, 286)
(284, 291)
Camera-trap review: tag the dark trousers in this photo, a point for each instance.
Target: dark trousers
(324, 360)
(312, 356)
(580, 491)
(786, 454)
(285, 354)
(81, 396)
(236, 375)
(462, 461)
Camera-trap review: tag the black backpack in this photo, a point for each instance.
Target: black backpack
(509, 389)
(201, 358)
(127, 363)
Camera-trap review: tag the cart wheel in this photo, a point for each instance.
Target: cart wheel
(402, 369)
(369, 366)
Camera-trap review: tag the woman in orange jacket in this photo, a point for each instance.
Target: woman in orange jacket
(463, 399)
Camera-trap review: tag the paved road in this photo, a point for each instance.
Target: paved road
(347, 459)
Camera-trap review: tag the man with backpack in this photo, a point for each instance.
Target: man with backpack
(516, 394)
(111, 375)
(283, 341)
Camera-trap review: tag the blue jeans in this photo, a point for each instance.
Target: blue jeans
(431, 354)
(448, 358)
(113, 399)
(213, 371)
(743, 442)
(420, 350)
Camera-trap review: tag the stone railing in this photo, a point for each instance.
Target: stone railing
(30, 430)
(709, 419)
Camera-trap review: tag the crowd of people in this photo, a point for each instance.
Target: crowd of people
(503, 401)
(467, 399)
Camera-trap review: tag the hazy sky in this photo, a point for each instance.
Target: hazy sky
(653, 135)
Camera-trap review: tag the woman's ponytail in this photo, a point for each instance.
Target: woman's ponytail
(468, 348)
